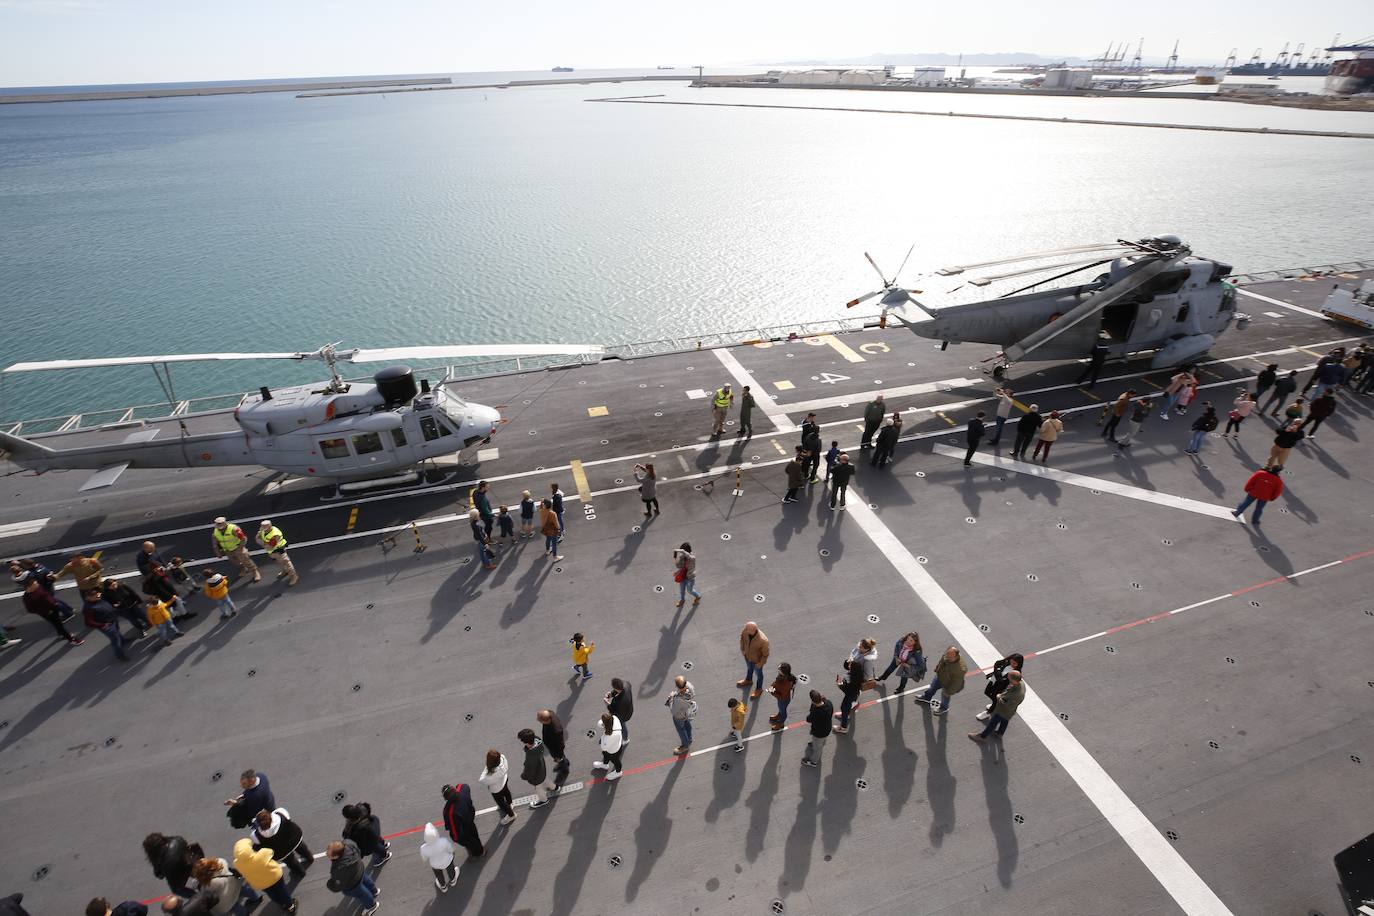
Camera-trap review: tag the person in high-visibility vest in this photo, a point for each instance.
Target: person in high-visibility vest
(230, 541)
(274, 542)
(720, 406)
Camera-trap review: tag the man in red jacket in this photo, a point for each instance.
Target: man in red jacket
(1264, 485)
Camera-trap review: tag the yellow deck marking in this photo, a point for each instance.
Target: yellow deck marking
(1152, 383)
(1090, 394)
(352, 519)
(1211, 373)
(846, 351)
(1019, 406)
(781, 450)
(1310, 352)
(597, 411)
(96, 555)
(784, 385)
(584, 490)
(941, 415)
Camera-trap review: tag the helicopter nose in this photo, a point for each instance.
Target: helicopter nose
(487, 419)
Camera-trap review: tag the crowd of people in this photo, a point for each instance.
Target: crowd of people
(275, 846)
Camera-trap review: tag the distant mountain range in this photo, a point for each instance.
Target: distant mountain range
(1001, 59)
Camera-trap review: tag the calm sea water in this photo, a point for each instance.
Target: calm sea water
(270, 222)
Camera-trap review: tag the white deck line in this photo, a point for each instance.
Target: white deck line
(1280, 303)
(1176, 876)
(762, 399)
(901, 391)
(14, 529)
(1114, 487)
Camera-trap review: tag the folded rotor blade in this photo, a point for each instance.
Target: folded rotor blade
(904, 260)
(386, 354)
(864, 298)
(1081, 249)
(875, 268)
(145, 360)
(1057, 265)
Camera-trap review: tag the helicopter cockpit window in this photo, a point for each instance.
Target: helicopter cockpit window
(333, 448)
(364, 443)
(430, 428)
(398, 436)
(444, 430)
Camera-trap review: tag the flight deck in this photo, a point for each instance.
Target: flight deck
(1197, 737)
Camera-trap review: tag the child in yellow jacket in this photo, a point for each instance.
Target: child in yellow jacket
(160, 617)
(216, 588)
(582, 653)
(738, 710)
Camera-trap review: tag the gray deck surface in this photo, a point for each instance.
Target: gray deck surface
(386, 674)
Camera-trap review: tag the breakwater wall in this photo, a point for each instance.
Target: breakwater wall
(1097, 122)
(106, 95)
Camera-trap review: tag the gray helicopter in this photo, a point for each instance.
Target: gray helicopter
(1154, 296)
(373, 433)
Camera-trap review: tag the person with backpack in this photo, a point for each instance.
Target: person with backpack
(907, 661)
(998, 680)
(365, 828)
(535, 771)
(1203, 425)
(782, 687)
(99, 615)
(42, 603)
(685, 574)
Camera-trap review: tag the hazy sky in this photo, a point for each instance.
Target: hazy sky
(65, 42)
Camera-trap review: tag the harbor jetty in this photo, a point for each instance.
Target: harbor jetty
(172, 90)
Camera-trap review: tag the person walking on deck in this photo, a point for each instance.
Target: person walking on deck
(526, 515)
(685, 574)
(1004, 708)
(1284, 386)
(1048, 435)
(843, 475)
(1140, 412)
(874, 411)
(42, 603)
(972, 436)
(1026, 430)
(1118, 410)
(582, 655)
(437, 851)
(274, 542)
(738, 710)
(534, 771)
(216, 588)
(1203, 425)
(1323, 407)
(612, 740)
(1263, 487)
(886, 443)
(99, 615)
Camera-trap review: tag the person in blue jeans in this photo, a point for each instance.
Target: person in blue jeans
(682, 704)
(1201, 427)
(348, 874)
(949, 678)
(754, 646)
(685, 574)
